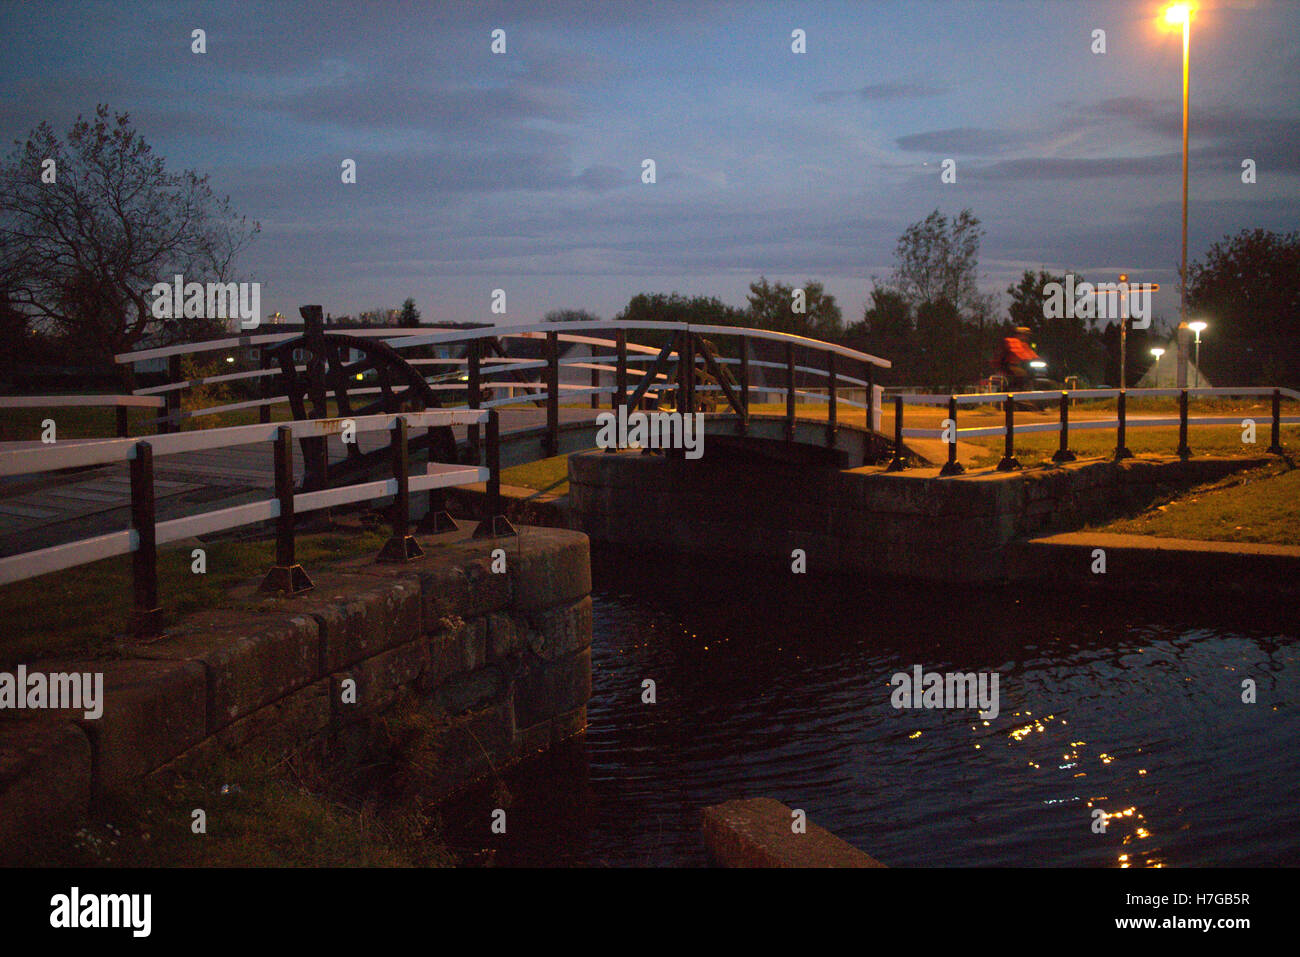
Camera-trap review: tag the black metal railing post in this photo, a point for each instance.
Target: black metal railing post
(266, 382)
(287, 576)
(620, 382)
(495, 524)
(899, 462)
(1063, 453)
(868, 451)
(789, 391)
(475, 398)
(172, 421)
(1184, 452)
(551, 444)
(952, 466)
(146, 616)
(1121, 427)
(123, 425)
(595, 383)
(744, 384)
(831, 408)
(1275, 448)
(401, 545)
(1009, 461)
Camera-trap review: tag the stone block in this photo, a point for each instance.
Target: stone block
(249, 660)
(544, 689)
(45, 784)
(560, 631)
(153, 711)
(458, 646)
(758, 833)
(381, 679)
(464, 692)
(552, 567)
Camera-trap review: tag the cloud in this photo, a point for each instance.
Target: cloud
(883, 92)
(970, 141)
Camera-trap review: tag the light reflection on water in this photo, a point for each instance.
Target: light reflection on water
(779, 685)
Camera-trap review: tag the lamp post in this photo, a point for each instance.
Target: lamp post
(1197, 327)
(1181, 13)
(1157, 352)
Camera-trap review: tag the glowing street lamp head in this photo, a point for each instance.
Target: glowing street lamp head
(1178, 13)
(1157, 352)
(1197, 327)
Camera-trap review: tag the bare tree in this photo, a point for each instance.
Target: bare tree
(84, 239)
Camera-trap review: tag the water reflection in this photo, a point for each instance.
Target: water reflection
(779, 685)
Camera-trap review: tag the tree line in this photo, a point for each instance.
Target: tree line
(89, 223)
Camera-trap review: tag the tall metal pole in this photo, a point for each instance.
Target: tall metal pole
(1187, 47)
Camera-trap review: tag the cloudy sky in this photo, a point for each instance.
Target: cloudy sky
(523, 170)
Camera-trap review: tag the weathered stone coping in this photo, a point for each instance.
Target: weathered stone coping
(504, 658)
(758, 832)
(1145, 561)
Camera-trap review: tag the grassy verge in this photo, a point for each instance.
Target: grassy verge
(545, 475)
(83, 610)
(1262, 505)
(264, 810)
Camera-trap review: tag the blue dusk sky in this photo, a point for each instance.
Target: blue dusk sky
(523, 170)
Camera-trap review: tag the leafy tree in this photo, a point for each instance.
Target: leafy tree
(409, 316)
(888, 314)
(570, 315)
(674, 307)
(774, 306)
(1248, 290)
(81, 255)
(939, 259)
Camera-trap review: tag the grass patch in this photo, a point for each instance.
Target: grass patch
(545, 475)
(84, 610)
(1262, 505)
(264, 810)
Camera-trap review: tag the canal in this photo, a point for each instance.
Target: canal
(774, 684)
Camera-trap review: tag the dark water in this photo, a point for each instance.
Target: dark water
(777, 685)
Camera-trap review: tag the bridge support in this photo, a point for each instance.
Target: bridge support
(899, 462)
(495, 525)
(1275, 448)
(401, 546)
(1184, 452)
(1063, 453)
(1009, 461)
(287, 576)
(146, 618)
(1121, 427)
(952, 466)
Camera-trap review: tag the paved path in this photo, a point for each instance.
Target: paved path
(37, 511)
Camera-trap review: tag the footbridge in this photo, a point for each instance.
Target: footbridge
(344, 417)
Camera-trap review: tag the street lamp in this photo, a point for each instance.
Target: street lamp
(1197, 327)
(1181, 14)
(1157, 352)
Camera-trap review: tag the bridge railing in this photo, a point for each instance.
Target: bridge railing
(951, 433)
(121, 403)
(637, 370)
(146, 533)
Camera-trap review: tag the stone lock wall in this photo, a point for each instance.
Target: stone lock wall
(502, 661)
(908, 524)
